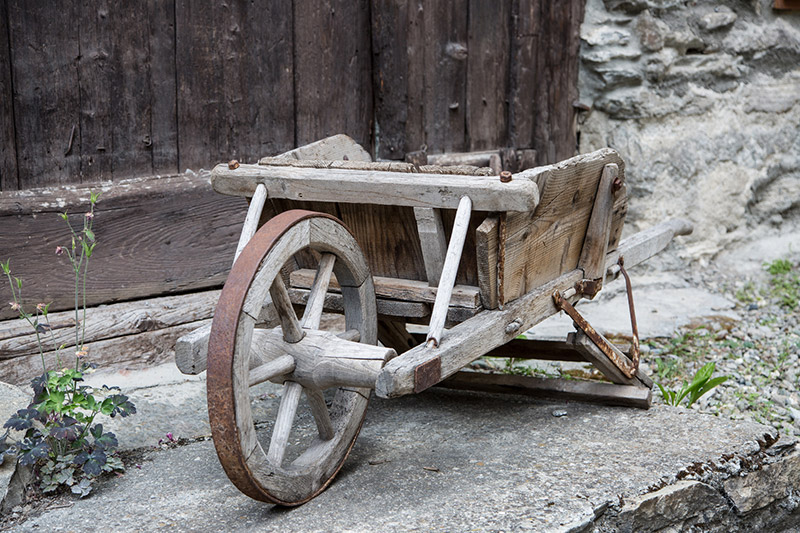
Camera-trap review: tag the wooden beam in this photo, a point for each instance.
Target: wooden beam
(156, 236)
(595, 244)
(432, 240)
(552, 388)
(487, 242)
(397, 289)
(377, 187)
(602, 362)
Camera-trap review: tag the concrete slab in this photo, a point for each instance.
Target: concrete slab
(441, 460)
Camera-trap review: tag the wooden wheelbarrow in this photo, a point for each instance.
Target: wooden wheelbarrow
(486, 256)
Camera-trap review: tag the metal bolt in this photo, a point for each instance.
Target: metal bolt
(233, 164)
(505, 176)
(616, 185)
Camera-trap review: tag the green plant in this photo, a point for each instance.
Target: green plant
(784, 283)
(701, 384)
(60, 438)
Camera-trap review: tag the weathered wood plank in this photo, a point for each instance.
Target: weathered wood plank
(377, 187)
(333, 148)
(487, 73)
(116, 320)
(606, 366)
(398, 289)
(553, 388)
(163, 87)
(546, 243)
(44, 41)
(432, 240)
(9, 180)
(128, 352)
(598, 231)
(332, 65)
(149, 232)
(487, 240)
(391, 36)
(235, 74)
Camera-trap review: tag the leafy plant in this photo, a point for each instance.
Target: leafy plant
(701, 384)
(60, 438)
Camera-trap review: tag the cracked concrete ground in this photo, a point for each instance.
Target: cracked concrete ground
(451, 461)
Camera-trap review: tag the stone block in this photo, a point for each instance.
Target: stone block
(721, 17)
(672, 505)
(763, 487)
(604, 36)
(12, 479)
(651, 31)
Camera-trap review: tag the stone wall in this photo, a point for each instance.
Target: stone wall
(702, 99)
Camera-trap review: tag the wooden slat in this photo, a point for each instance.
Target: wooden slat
(143, 350)
(445, 75)
(392, 31)
(606, 366)
(163, 87)
(116, 320)
(234, 80)
(487, 73)
(156, 236)
(398, 289)
(332, 69)
(433, 241)
(377, 187)
(487, 240)
(413, 312)
(8, 149)
(542, 245)
(562, 389)
(595, 244)
(44, 43)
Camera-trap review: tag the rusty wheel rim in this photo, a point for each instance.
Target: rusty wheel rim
(241, 454)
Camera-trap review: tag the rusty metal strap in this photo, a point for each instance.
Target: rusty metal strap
(627, 367)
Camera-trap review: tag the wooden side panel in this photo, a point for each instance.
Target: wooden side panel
(234, 81)
(155, 236)
(44, 53)
(8, 149)
(333, 70)
(487, 73)
(542, 245)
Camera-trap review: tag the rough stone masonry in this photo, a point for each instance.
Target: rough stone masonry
(702, 99)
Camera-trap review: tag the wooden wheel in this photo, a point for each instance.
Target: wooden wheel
(296, 353)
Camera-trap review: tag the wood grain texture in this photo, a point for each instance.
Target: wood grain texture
(163, 87)
(398, 289)
(598, 231)
(9, 180)
(156, 236)
(433, 241)
(116, 320)
(487, 239)
(45, 50)
(487, 73)
(235, 74)
(332, 69)
(142, 350)
(545, 243)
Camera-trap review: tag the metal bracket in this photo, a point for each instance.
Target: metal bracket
(628, 368)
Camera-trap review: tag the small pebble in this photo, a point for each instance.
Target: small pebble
(559, 413)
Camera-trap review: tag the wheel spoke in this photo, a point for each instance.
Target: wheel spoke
(277, 367)
(316, 298)
(283, 423)
(321, 415)
(292, 332)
